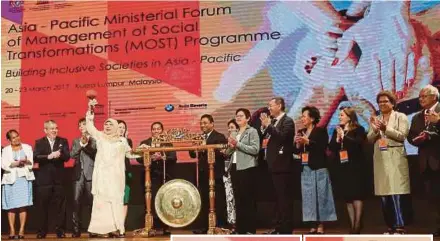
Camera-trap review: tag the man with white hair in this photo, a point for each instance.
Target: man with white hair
(425, 134)
(51, 152)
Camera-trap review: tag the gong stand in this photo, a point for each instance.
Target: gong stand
(178, 137)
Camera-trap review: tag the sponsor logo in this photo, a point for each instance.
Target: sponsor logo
(193, 106)
(39, 2)
(169, 108)
(16, 6)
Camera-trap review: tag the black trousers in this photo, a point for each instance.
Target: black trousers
(81, 188)
(243, 184)
(220, 201)
(283, 186)
(52, 196)
(397, 210)
(432, 188)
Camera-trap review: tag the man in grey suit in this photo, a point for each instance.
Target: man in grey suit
(83, 151)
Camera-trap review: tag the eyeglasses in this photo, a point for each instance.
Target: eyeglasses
(424, 96)
(384, 101)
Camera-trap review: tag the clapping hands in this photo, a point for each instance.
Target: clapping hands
(232, 142)
(54, 155)
(265, 120)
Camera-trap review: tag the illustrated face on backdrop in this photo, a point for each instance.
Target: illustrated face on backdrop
(51, 130)
(206, 126)
(156, 130)
(121, 129)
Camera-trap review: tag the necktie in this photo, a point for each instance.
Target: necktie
(51, 143)
(273, 121)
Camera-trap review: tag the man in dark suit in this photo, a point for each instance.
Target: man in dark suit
(212, 137)
(425, 134)
(51, 152)
(84, 152)
(158, 177)
(279, 131)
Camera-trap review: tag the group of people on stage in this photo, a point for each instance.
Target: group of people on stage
(102, 170)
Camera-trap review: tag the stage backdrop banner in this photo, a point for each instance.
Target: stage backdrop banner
(174, 61)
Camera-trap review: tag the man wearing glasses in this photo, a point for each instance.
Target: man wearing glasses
(425, 134)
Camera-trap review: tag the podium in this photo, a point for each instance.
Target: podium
(182, 140)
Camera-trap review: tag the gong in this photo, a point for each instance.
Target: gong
(177, 203)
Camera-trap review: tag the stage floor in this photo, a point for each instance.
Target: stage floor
(177, 231)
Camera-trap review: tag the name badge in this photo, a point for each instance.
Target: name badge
(383, 144)
(343, 156)
(305, 158)
(265, 141)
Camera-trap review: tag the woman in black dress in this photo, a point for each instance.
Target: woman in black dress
(346, 144)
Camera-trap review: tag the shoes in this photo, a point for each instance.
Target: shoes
(41, 235)
(76, 235)
(20, 236)
(399, 231)
(13, 237)
(390, 231)
(60, 233)
(116, 235)
(93, 235)
(200, 231)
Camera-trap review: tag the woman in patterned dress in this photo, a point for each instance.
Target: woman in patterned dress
(230, 202)
(317, 194)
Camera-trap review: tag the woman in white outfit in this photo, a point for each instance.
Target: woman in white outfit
(108, 181)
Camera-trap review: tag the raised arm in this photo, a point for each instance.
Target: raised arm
(90, 126)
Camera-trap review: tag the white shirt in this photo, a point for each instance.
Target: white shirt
(51, 143)
(432, 109)
(279, 118)
(83, 145)
(234, 158)
(207, 135)
(18, 155)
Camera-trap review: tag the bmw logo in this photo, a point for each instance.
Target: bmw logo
(169, 107)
